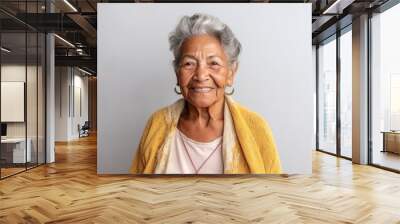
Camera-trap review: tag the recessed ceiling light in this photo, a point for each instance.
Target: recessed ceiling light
(84, 71)
(337, 7)
(5, 50)
(64, 40)
(70, 5)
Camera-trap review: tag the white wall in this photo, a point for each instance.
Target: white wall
(12, 101)
(33, 127)
(62, 80)
(67, 80)
(135, 76)
(80, 84)
(17, 72)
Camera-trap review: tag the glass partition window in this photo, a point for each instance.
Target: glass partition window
(394, 101)
(13, 86)
(346, 94)
(22, 101)
(385, 89)
(327, 97)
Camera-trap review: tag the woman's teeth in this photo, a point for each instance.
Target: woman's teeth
(202, 90)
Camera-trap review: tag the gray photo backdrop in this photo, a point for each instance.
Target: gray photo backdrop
(135, 74)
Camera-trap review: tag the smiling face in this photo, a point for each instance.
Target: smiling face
(204, 71)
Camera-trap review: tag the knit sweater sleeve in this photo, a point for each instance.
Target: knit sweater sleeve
(139, 161)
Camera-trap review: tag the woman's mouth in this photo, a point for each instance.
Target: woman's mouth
(201, 89)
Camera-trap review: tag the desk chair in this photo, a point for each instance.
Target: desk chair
(84, 130)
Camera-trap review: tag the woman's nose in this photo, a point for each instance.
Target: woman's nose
(202, 73)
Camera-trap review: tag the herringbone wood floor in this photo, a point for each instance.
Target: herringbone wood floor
(69, 191)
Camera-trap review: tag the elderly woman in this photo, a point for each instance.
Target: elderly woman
(205, 132)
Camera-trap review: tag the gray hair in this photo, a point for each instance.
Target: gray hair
(199, 24)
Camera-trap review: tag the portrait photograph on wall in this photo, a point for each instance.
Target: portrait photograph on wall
(195, 88)
(216, 111)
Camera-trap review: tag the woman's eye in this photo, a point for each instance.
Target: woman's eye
(188, 64)
(214, 65)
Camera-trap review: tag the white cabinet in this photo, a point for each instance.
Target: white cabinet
(18, 149)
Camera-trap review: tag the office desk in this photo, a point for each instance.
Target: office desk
(391, 141)
(13, 150)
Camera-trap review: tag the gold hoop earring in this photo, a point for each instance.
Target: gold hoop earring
(176, 91)
(231, 92)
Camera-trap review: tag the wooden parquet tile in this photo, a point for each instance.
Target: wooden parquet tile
(70, 191)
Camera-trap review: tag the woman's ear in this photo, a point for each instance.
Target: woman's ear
(232, 73)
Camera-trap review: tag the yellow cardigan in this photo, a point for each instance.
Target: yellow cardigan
(248, 144)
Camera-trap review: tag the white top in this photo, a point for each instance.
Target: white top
(186, 153)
